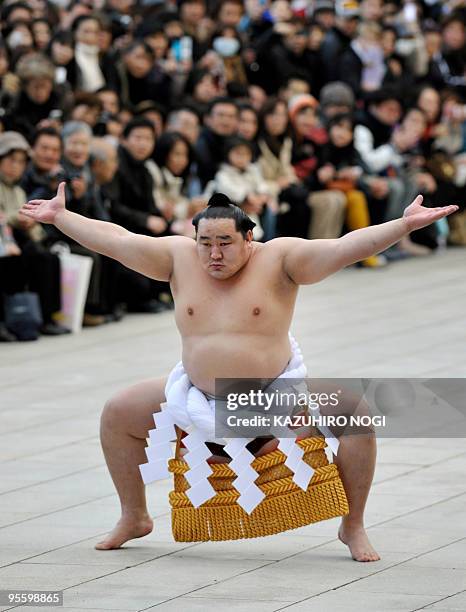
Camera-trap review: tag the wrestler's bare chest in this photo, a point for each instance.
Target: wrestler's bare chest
(260, 299)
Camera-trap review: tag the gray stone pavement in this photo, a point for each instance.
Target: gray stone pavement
(57, 499)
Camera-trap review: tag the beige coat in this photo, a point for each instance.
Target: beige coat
(167, 190)
(12, 197)
(273, 168)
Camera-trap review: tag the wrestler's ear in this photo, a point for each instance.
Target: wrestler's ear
(249, 236)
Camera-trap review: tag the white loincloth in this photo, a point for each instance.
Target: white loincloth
(193, 412)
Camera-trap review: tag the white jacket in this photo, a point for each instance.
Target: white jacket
(377, 159)
(237, 185)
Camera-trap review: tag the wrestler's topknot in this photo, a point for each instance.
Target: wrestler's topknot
(219, 199)
(221, 207)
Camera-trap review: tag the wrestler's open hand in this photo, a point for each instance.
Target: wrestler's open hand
(417, 216)
(45, 211)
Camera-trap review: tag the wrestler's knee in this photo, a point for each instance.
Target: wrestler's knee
(115, 411)
(354, 446)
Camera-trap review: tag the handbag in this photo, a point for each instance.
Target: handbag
(75, 271)
(23, 315)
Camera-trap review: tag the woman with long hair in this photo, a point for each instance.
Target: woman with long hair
(275, 149)
(170, 170)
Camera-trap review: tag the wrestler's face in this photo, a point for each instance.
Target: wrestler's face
(222, 249)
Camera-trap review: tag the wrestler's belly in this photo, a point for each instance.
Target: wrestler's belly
(234, 355)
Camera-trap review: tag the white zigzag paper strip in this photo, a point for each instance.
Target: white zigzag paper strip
(302, 472)
(200, 488)
(160, 449)
(250, 494)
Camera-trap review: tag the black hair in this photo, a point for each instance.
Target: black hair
(455, 16)
(268, 108)
(390, 28)
(46, 131)
(41, 20)
(10, 8)
(179, 3)
(165, 144)
(146, 106)
(340, 118)
(138, 122)
(190, 108)
(218, 7)
(237, 90)
(246, 106)
(387, 92)
(236, 141)
(81, 19)
(64, 37)
(106, 88)
(194, 78)
(221, 207)
(220, 100)
(138, 42)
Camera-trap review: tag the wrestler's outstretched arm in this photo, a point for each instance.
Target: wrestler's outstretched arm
(152, 257)
(308, 261)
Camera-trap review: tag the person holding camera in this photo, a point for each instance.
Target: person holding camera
(25, 262)
(44, 170)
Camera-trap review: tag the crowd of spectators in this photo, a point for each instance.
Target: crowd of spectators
(316, 117)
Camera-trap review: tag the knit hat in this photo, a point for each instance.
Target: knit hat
(300, 101)
(337, 94)
(13, 141)
(347, 9)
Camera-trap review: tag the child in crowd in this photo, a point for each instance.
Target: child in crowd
(242, 182)
(341, 169)
(327, 205)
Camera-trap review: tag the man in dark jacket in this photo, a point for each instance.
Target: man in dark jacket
(338, 39)
(293, 58)
(136, 209)
(133, 206)
(221, 121)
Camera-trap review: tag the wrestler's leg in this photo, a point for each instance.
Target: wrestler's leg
(356, 465)
(124, 424)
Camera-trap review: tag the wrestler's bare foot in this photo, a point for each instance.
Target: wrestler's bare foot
(126, 529)
(355, 537)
